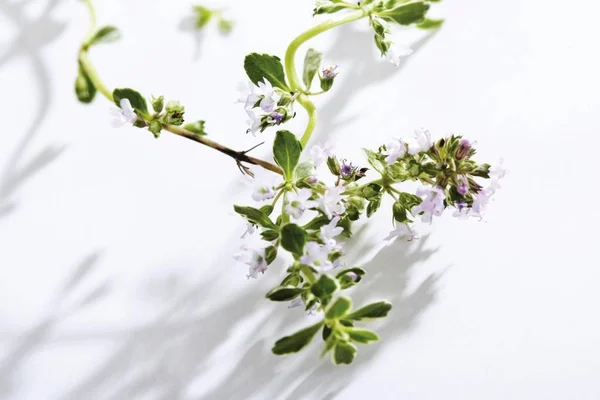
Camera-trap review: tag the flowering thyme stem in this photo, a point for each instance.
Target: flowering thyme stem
(290, 66)
(85, 63)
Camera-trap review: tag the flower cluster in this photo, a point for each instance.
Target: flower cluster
(307, 201)
(266, 106)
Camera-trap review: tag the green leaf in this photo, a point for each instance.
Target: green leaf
(324, 287)
(406, 14)
(399, 212)
(317, 223)
(270, 254)
(346, 281)
(430, 23)
(312, 62)
(371, 311)
(196, 127)
(374, 161)
(84, 87)
(326, 332)
(204, 15)
(286, 151)
(264, 66)
(106, 34)
(269, 235)
(284, 293)
(293, 239)
(362, 335)
(138, 102)
(256, 217)
(267, 209)
(297, 341)
(339, 308)
(304, 170)
(344, 353)
(373, 206)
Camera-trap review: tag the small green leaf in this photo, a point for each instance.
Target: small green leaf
(304, 170)
(326, 332)
(430, 23)
(106, 34)
(255, 216)
(399, 212)
(158, 103)
(344, 353)
(84, 87)
(297, 341)
(264, 66)
(362, 335)
(225, 26)
(312, 62)
(317, 223)
(204, 15)
(270, 254)
(267, 209)
(373, 206)
(339, 308)
(286, 151)
(371, 311)
(269, 235)
(292, 279)
(293, 239)
(406, 14)
(138, 102)
(324, 287)
(373, 159)
(196, 127)
(284, 293)
(345, 278)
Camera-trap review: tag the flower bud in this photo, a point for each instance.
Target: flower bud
(175, 113)
(464, 147)
(327, 77)
(158, 103)
(155, 127)
(334, 165)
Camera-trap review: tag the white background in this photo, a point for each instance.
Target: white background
(116, 276)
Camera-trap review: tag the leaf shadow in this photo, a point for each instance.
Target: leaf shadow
(64, 305)
(32, 37)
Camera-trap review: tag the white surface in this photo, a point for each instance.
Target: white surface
(500, 310)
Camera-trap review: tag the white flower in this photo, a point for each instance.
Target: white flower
(432, 204)
(422, 141)
(270, 96)
(254, 258)
(395, 149)
(264, 183)
(297, 203)
(496, 173)
(330, 231)
(462, 211)
(317, 256)
(265, 93)
(251, 98)
(401, 230)
(254, 122)
(329, 203)
(319, 154)
(124, 115)
(250, 229)
(396, 53)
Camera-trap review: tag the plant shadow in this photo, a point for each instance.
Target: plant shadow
(33, 35)
(61, 307)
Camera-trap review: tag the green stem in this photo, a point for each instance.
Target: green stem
(86, 65)
(290, 65)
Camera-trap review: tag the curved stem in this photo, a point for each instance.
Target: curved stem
(239, 156)
(290, 65)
